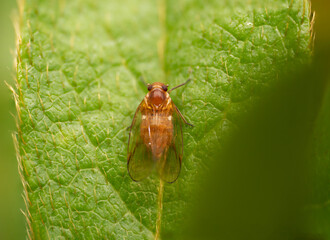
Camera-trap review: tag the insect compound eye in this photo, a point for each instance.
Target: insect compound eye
(164, 87)
(149, 87)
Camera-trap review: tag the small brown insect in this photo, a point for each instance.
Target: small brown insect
(155, 138)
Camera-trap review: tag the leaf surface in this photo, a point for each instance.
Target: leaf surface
(78, 70)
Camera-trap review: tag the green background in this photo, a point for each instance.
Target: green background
(12, 222)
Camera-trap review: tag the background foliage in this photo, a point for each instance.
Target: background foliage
(11, 219)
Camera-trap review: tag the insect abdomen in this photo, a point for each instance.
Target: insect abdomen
(157, 133)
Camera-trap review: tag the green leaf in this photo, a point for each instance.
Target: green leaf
(78, 70)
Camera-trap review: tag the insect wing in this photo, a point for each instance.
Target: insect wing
(139, 159)
(169, 165)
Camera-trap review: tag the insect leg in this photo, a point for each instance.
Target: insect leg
(182, 117)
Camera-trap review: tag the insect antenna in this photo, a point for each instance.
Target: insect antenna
(189, 79)
(144, 82)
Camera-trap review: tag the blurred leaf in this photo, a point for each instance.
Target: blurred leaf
(78, 69)
(259, 185)
(319, 203)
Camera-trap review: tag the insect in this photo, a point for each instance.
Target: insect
(155, 138)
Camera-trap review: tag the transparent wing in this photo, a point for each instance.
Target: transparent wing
(139, 157)
(169, 165)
